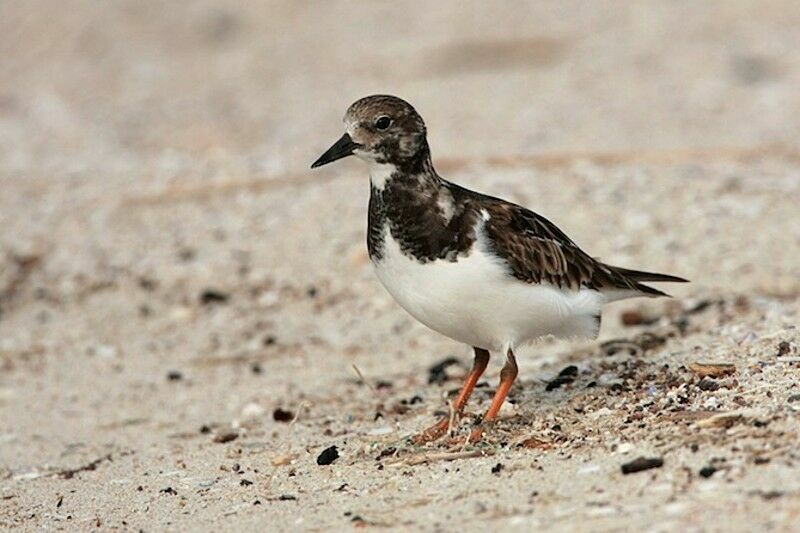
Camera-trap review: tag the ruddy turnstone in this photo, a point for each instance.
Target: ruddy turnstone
(478, 269)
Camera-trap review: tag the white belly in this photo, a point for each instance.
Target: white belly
(475, 301)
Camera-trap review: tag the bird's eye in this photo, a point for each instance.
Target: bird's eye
(383, 123)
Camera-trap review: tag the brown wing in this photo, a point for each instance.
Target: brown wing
(537, 251)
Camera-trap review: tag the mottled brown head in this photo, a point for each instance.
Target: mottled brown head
(380, 129)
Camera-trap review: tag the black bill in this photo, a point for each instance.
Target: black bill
(341, 148)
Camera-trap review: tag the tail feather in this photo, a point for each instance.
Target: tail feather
(638, 275)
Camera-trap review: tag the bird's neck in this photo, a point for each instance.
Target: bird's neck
(418, 169)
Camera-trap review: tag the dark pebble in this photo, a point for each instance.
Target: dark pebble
(255, 368)
(438, 372)
(269, 340)
(245, 483)
(497, 468)
(328, 456)
(287, 498)
(642, 463)
(226, 436)
(564, 377)
(282, 415)
(794, 398)
(707, 471)
(386, 452)
(213, 296)
(708, 384)
(169, 490)
(174, 375)
(784, 348)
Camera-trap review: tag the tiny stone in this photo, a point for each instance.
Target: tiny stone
(328, 456)
(282, 415)
(642, 463)
(784, 348)
(707, 471)
(708, 384)
(226, 436)
(497, 468)
(213, 296)
(174, 375)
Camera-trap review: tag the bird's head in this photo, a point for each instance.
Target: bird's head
(379, 129)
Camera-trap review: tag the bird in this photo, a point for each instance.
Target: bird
(478, 269)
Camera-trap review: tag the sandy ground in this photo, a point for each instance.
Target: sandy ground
(182, 302)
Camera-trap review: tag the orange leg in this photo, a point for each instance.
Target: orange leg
(507, 377)
(440, 428)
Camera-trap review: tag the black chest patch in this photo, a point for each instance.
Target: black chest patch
(428, 220)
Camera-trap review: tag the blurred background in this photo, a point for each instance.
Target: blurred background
(169, 260)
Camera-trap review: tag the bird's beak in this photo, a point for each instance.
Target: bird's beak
(341, 148)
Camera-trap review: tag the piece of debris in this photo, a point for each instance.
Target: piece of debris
(386, 452)
(713, 370)
(245, 483)
(636, 318)
(438, 373)
(213, 296)
(793, 398)
(282, 415)
(226, 436)
(174, 375)
(699, 307)
(708, 384)
(70, 473)
(535, 443)
(784, 348)
(642, 463)
(423, 458)
(496, 469)
(328, 456)
(282, 460)
(169, 490)
(725, 420)
(287, 498)
(564, 377)
(707, 471)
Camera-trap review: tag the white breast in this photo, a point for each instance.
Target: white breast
(475, 301)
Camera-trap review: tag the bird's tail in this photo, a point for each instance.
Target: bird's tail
(636, 279)
(638, 275)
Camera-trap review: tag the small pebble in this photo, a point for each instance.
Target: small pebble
(282, 415)
(226, 436)
(642, 463)
(707, 471)
(708, 384)
(174, 375)
(213, 296)
(328, 456)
